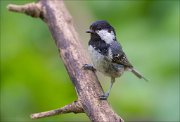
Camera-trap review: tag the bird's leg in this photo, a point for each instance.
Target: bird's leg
(89, 67)
(105, 96)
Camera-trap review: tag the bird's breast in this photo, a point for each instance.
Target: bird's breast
(104, 65)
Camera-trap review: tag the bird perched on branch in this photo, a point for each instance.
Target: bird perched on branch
(107, 54)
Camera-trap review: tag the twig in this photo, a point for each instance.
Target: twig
(32, 9)
(74, 107)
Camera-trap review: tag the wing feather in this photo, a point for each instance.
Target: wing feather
(118, 56)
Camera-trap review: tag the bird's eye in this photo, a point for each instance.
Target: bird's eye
(109, 30)
(99, 28)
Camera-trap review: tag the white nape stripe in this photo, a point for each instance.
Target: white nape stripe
(110, 55)
(108, 37)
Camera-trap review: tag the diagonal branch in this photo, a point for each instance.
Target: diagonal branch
(74, 107)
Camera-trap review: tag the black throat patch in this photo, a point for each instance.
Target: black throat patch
(99, 45)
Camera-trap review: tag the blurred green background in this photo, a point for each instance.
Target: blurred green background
(34, 79)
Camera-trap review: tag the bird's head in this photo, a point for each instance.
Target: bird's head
(103, 30)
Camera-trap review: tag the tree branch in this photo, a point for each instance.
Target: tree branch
(74, 107)
(74, 57)
(31, 9)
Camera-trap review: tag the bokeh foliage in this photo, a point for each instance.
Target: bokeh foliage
(34, 79)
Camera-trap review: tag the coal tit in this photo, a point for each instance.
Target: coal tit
(107, 54)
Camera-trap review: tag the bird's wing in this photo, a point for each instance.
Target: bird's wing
(118, 56)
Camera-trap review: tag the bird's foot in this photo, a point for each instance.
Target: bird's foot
(89, 67)
(104, 96)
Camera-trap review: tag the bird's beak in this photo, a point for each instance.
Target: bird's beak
(89, 31)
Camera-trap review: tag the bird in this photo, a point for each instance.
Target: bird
(107, 54)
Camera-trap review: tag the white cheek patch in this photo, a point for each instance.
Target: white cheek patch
(108, 37)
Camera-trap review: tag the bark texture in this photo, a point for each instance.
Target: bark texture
(88, 88)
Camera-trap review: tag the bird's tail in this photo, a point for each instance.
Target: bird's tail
(135, 72)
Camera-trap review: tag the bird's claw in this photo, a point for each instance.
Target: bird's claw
(104, 96)
(89, 67)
